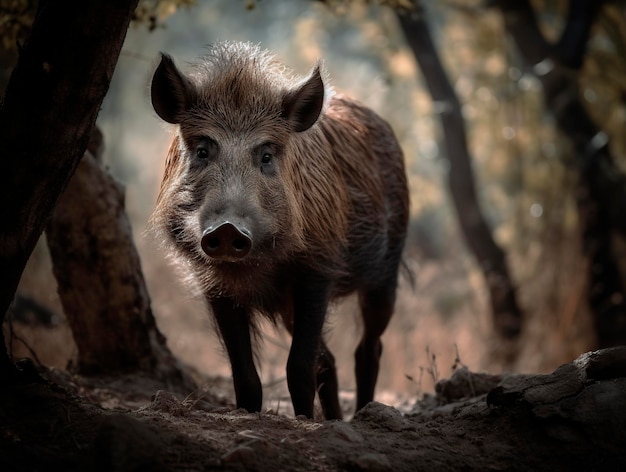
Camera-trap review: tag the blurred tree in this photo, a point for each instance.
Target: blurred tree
(99, 276)
(601, 190)
(491, 258)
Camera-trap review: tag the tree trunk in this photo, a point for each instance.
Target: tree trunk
(49, 111)
(490, 257)
(98, 272)
(601, 192)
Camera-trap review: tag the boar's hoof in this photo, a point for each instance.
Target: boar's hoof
(226, 241)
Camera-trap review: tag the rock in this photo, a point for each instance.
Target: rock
(345, 431)
(583, 401)
(251, 452)
(124, 443)
(380, 416)
(465, 384)
(242, 454)
(373, 462)
(564, 383)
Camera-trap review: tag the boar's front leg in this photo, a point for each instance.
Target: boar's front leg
(310, 300)
(233, 322)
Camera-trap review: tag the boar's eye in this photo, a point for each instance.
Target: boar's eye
(266, 158)
(265, 155)
(206, 148)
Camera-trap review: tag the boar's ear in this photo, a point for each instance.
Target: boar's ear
(302, 106)
(172, 93)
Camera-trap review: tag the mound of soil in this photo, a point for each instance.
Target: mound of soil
(572, 419)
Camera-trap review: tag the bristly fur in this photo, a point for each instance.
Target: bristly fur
(333, 176)
(241, 89)
(335, 210)
(279, 197)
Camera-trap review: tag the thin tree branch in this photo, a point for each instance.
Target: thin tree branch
(572, 44)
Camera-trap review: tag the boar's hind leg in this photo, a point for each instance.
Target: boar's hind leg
(377, 308)
(310, 300)
(327, 385)
(233, 323)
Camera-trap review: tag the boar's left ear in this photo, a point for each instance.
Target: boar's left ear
(172, 93)
(302, 106)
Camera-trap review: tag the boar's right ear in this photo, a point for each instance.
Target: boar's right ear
(302, 106)
(172, 93)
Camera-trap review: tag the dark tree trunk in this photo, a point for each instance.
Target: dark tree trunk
(601, 192)
(491, 259)
(50, 107)
(98, 271)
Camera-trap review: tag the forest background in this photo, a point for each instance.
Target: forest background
(524, 172)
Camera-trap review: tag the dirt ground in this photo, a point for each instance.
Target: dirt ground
(134, 423)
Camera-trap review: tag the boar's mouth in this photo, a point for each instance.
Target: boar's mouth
(227, 242)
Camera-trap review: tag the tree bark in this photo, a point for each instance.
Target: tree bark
(490, 257)
(50, 107)
(98, 271)
(601, 192)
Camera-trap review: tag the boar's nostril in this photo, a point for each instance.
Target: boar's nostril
(226, 241)
(212, 243)
(240, 244)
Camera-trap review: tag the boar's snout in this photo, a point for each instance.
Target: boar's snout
(226, 241)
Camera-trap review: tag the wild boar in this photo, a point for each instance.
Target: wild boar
(278, 197)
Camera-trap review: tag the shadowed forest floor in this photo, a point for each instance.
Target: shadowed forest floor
(572, 419)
